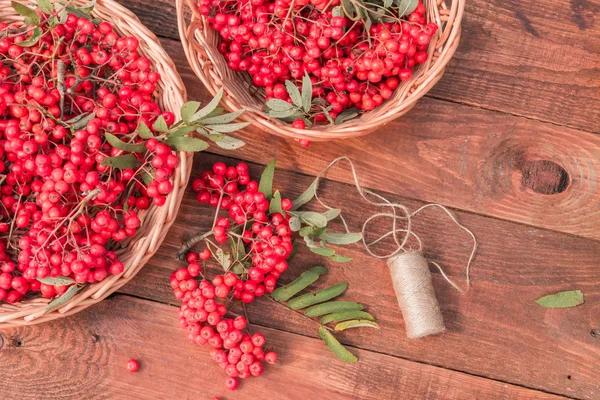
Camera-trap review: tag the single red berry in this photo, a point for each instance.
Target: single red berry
(133, 365)
(231, 383)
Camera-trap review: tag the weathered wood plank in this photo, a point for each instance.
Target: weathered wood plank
(84, 357)
(537, 59)
(495, 330)
(481, 161)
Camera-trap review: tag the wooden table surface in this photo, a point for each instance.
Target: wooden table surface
(509, 139)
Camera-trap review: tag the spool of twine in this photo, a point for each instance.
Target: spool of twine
(411, 279)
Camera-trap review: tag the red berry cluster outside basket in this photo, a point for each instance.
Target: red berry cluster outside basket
(67, 200)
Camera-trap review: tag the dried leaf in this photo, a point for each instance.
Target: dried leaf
(336, 347)
(321, 296)
(121, 162)
(332, 307)
(119, 144)
(356, 323)
(266, 180)
(307, 278)
(566, 299)
(187, 144)
(341, 238)
(344, 316)
(58, 281)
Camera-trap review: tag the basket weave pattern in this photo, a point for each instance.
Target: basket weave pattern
(156, 220)
(200, 44)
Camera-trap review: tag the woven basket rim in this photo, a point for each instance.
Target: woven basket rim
(199, 44)
(156, 221)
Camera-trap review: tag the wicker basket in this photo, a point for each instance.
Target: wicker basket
(156, 220)
(200, 45)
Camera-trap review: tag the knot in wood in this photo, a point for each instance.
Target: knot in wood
(544, 176)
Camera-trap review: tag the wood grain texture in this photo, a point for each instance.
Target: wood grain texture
(472, 159)
(536, 59)
(496, 330)
(106, 336)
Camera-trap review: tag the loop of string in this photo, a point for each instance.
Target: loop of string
(397, 213)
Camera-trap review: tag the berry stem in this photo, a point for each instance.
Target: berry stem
(188, 244)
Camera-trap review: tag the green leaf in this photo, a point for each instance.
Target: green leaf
(275, 205)
(227, 128)
(294, 251)
(346, 315)
(295, 224)
(45, 6)
(336, 347)
(279, 105)
(406, 7)
(144, 131)
(223, 119)
(223, 258)
(294, 93)
(346, 115)
(35, 37)
(119, 144)
(350, 10)
(66, 296)
(214, 113)
(285, 114)
(61, 12)
(87, 8)
(183, 131)
(147, 178)
(340, 259)
(321, 296)
(160, 125)
(341, 238)
(31, 17)
(188, 110)
(80, 121)
(229, 143)
(306, 231)
(187, 144)
(266, 180)
(306, 92)
(567, 299)
(210, 107)
(323, 251)
(58, 281)
(356, 323)
(313, 218)
(121, 162)
(306, 279)
(332, 307)
(332, 213)
(338, 11)
(306, 196)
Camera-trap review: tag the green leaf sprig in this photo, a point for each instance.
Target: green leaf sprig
(320, 304)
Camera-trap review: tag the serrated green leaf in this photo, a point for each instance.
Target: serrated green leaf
(284, 114)
(340, 259)
(265, 185)
(61, 12)
(356, 323)
(66, 296)
(121, 162)
(336, 347)
(223, 119)
(321, 296)
(332, 213)
(214, 113)
(279, 105)
(119, 144)
(183, 131)
(306, 279)
(332, 307)
(35, 37)
(306, 196)
(227, 128)
(295, 224)
(186, 144)
(229, 143)
(57, 281)
(210, 107)
(144, 131)
(322, 251)
(406, 7)
(346, 115)
(566, 299)
(294, 93)
(341, 238)
(45, 6)
(160, 125)
(188, 110)
(313, 218)
(306, 92)
(88, 8)
(31, 17)
(344, 316)
(275, 205)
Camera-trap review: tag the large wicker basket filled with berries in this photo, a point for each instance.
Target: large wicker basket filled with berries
(91, 175)
(320, 69)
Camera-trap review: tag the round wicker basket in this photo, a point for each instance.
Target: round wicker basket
(200, 44)
(156, 220)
